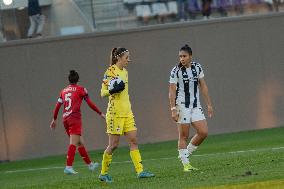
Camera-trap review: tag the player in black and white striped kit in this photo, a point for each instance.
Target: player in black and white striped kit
(186, 80)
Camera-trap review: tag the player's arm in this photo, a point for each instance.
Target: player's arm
(106, 79)
(118, 87)
(204, 91)
(104, 89)
(93, 106)
(172, 98)
(55, 113)
(172, 93)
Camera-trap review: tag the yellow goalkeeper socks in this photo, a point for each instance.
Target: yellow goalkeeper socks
(136, 159)
(107, 158)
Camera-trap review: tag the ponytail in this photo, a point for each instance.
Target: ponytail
(113, 58)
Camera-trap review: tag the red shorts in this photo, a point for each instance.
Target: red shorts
(73, 126)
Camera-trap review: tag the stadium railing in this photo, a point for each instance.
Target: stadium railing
(83, 16)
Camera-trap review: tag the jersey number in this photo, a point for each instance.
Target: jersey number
(68, 100)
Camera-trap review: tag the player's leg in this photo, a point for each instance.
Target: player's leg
(183, 126)
(201, 134)
(130, 131)
(85, 156)
(184, 155)
(107, 157)
(200, 125)
(183, 132)
(74, 140)
(134, 151)
(136, 156)
(114, 131)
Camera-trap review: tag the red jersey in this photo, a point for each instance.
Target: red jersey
(71, 97)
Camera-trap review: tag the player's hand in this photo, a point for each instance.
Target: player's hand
(103, 115)
(210, 111)
(53, 124)
(118, 87)
(175, 115)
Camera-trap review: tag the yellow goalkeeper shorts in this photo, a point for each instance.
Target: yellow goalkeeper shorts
(120, 125)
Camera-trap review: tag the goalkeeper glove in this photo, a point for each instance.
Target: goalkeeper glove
(117, 87)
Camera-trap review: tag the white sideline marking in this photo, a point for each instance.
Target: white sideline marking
(165, 158)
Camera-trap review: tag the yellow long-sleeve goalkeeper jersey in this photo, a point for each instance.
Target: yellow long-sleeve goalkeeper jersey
(119, 103)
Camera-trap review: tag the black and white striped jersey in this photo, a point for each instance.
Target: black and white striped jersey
(187, 80)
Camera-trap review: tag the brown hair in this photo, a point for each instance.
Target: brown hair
(115, 53)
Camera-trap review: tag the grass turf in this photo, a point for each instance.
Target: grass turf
(237, 160)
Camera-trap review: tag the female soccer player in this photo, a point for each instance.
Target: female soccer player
(119, 116)
(71, 97)
(186, 79)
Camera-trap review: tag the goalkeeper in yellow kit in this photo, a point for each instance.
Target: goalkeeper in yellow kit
(119, 117)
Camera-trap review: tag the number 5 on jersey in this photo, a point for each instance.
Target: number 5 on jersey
(68, 100)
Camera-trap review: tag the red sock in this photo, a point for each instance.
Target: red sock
(70, 155)
(84, 154)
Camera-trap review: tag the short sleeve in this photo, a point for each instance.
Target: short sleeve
(200, 71)
(173, 76)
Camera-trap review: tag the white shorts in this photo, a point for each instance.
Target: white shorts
(189, 115)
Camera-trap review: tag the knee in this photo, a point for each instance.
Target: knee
(203, 134)
(133, 142)
(112, 147)
(183, 137)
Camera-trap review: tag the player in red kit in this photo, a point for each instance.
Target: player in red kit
(71, 98)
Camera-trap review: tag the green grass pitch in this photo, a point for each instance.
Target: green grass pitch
(252, 159)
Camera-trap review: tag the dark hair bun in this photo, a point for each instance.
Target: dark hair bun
(73, 76)
(72, 72)
(186, 48)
